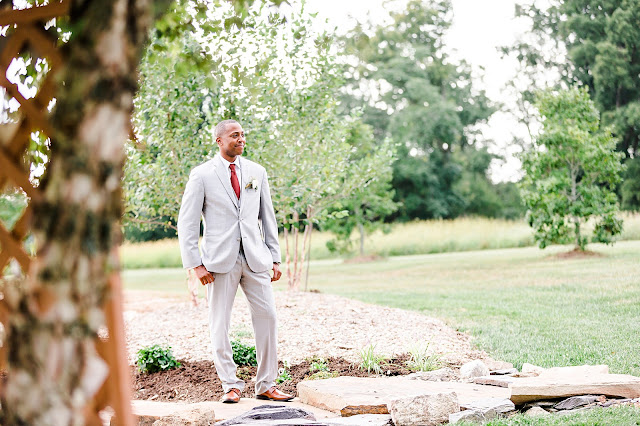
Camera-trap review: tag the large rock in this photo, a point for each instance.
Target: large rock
(490, 407)
(466, 416)
(424, 410)
(578, 370)
(173, 414)
(362, 420)
(272, 415)
(504, 371)
(502, 381)
(567, 383)
(357, 410)
(371, 392)
(473, 369)
(536, 412)
(441, 375)
(531, 369)
(576, 401)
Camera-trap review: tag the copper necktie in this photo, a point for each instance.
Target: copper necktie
(234, 180)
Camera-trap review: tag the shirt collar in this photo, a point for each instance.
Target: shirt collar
(227, 163)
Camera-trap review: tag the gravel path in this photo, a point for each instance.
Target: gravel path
(309, 324)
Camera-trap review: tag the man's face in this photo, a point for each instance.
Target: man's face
(231, 142)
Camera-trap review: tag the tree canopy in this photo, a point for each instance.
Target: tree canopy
(421, 98)
(571, 172)
(595, 44)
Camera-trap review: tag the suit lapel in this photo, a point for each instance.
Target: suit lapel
(244, 179)
(226, 182)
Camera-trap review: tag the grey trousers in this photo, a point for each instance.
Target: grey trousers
(259, 292)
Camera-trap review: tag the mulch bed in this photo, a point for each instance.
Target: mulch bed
(198, 381)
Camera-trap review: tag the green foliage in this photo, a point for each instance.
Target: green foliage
(630, 188)
(152, 359)
(243, 354)
(371, 361)
(367, 206)
(421, 360)
(423, 100)
(593, 44)
(481, 197)
(318, 364)
(12, 205)
(321, 375)
(571, 173)
(283, 373)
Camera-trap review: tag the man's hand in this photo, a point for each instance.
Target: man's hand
(276, 272)
(203, 275)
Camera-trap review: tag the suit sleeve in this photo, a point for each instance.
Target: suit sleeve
(268, 217)
(189, 221)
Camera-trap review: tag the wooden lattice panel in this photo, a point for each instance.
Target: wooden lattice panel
(26, 33)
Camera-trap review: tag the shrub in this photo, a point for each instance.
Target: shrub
(243, 354)
(152, 359)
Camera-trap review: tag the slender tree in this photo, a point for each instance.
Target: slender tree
(591, 43)
(571, 173)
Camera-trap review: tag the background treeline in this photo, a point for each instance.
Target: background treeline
(405, 117)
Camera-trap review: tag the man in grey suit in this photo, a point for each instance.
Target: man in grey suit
(239, 247)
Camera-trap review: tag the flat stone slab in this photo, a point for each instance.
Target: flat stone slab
(502, 381)
(564, 385)
(338, 393)
(153, 409)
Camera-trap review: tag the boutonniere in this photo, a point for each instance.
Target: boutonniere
(253, 184)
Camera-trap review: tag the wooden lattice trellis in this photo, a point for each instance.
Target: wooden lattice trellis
(27, 33)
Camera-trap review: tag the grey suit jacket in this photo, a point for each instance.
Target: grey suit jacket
(227, 220)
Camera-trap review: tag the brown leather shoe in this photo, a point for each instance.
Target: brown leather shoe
(275, 395)
(232, 396)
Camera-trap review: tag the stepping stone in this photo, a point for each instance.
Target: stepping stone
(576, 401)
(567, 384)
(429, 409)
(504, 372)
(362, 420)
(272, 415)
(176, 413)
(367, 393)
(487, 405)
(502, 381)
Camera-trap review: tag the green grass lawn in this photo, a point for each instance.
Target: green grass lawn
(423, 237)
(521, 305)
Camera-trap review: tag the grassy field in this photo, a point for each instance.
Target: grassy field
(521, 305)
(434, 236)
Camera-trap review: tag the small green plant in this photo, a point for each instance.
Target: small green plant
(318, 364)
(152, 359)
(323, 375)
(372, 361)
(243, 354)
(421, 360)
(283, 373)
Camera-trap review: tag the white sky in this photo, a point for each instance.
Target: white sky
(479, 27)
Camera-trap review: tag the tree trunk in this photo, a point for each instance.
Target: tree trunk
(53, 367)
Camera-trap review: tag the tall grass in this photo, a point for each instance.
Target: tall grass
(424, 237)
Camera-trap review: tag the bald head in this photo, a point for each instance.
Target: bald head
(221, 127)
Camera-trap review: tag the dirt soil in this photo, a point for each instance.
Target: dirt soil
(197, 381)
